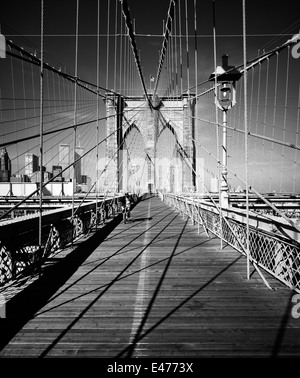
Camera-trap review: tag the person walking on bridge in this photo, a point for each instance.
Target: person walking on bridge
(126, 202)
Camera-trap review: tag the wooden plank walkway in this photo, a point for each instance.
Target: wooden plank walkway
(150, 288)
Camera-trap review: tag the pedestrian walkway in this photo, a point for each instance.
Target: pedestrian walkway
(152, 287)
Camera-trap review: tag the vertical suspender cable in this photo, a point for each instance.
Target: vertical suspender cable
(168, 73)
(14, 106)
(251, 95)
(1, 119)
(126, 40)
(24, 97)
(121, 51)
(107, 45)
(217, 118)
(196, 57)
(131, 67)
(180, 62)
(188, 78)
(128, 69)
(41, 129)
(284, 118)
(170, 70)
(196, 83)
(187, 49)
(97, 130)
(116, 31)
(172, 66)
(33, 91)
(297, 142)
(265, 116)
(258, 95)
(274, 120)
(75, 110)
(246, 139)
(180, 47)
(176, 56)
(55, 102)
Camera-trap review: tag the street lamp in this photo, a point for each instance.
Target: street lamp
(226, 77)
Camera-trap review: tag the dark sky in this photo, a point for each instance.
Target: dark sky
(266, 20)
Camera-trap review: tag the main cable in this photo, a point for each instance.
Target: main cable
(131, 34)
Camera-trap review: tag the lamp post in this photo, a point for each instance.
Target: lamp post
(226, 98)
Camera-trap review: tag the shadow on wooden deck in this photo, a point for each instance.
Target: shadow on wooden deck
(22, 306)
(27, 303)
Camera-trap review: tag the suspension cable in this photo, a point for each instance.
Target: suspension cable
(297, 139)
(285, 113)
(31, 58)
(187, 48)
(41, 128)
(168, 29)
(75, 109)
(217, 115)
(131, 34)
(246, 141)
(184, 156)
(98, 79)
(290, 221)
(55, 176)
(274, 119)
(115, 57)
(255, 61)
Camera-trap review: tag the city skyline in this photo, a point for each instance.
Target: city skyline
(32, 168)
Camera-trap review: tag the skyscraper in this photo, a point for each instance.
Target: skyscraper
(31, 164)
(5, 166)
(64, 159)
(79, 151)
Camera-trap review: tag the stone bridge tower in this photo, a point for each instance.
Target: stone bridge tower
(174, 115)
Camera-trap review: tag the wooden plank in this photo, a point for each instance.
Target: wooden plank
(152, 288)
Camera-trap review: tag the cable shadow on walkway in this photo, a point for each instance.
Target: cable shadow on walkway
(154, 296)
(128, 351)
(100, 264)
(22, 307)
(119, 279)
(140, 220)
(96, 299)
(281, 331)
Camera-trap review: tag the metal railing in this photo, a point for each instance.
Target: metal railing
(19, 244)
(274, 245)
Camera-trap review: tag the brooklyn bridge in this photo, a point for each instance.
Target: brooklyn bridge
(193, 109)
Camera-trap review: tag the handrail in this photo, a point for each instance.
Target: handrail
(19, 249)
(274, 245)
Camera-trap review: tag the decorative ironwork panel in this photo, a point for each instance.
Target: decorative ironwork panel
(279, 256)
(23, 253)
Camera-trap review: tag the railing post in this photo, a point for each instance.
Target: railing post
(224, 183)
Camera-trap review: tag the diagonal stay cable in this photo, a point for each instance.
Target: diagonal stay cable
(58, 174)
(33, 59)
(5, 144)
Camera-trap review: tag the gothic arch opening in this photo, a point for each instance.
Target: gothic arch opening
(134, 160)
(168, 162)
